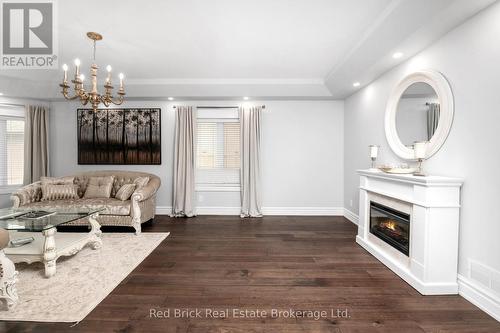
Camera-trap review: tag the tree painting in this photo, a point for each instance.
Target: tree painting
(119, 136)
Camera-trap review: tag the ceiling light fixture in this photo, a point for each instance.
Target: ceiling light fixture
(170, 98)
(1, 94)
(397, 55)
(356, 84)
(246, 98)
(93, 96)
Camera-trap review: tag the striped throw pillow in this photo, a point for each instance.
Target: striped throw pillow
(59, 192)
(125, 192)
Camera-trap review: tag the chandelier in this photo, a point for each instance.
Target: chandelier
(93, 96)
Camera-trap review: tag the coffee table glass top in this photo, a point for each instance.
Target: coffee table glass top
(32, 220)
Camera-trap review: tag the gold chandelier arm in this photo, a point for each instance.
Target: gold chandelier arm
(64, 92)
(108, 99)
(68, 97)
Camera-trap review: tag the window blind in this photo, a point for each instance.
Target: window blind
(218, 152)
(11, 147)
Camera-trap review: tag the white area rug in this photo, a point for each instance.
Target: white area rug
(81, 282)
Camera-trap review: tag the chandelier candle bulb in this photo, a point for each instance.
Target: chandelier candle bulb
(108, 80)
(65, 69)
(121, 76)
(77, 64)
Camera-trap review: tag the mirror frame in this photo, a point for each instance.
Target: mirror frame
(445, 96)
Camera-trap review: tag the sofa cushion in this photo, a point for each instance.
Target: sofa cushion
(99, 187)
(59, 192)
(111, 206)
(57, 180)
(125, 192)
(140, 182)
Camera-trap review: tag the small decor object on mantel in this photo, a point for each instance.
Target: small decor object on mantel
(373, 155)
(94, 97)
(420, 150)
(398, 169)
(119, 136)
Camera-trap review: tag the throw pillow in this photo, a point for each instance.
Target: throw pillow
(99, 187)
(125, 192)
(59, 192)
(140, 182)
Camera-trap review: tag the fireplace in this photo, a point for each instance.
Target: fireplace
(391, 226)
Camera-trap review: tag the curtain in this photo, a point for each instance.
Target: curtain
(183, 202)
(432, 119)
(250, 162)
(36, 147)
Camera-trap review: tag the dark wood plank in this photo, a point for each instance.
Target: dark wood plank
(278, 262)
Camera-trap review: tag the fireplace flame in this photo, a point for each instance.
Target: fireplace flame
(389, 225)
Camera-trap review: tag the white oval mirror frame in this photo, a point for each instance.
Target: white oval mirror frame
(445, 96)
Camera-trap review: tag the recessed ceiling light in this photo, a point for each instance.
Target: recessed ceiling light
(1, 94)
(170, 98)
(246, 98)
(397, 55)
(356, 84)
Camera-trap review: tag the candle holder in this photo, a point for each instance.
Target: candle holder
(420, 149)
(373, 156)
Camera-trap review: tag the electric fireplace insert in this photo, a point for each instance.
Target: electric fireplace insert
(391, 226)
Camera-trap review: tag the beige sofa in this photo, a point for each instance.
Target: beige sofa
(140, 208)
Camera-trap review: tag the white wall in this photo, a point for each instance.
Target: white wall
(302, 153)
(470, 61)
(5, 200)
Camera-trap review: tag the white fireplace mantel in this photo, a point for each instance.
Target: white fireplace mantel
(434, 205)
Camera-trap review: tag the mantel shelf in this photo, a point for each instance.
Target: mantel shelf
(411, 179)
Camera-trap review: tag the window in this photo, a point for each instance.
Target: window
(11, 146)
(218, 149)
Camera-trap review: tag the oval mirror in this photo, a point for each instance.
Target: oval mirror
(420, 109)
(417, 115)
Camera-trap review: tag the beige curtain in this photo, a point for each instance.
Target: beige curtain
(36, 143)
(432, 119)
(250, 161)
(183, 204)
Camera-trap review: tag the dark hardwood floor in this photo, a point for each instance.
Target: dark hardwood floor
(299, 263)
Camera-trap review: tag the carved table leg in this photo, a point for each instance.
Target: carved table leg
(95, 232)
(49, 252)
(8, 281)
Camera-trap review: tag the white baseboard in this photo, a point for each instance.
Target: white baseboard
(479, 296)
(305, 211)
(218, 211)
(297, 211)
(354, 218)
(163, 210)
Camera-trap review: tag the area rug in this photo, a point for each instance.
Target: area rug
(81, 282)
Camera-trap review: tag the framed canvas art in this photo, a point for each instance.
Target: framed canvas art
(119, 136)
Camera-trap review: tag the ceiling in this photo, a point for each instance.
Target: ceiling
(309, 49)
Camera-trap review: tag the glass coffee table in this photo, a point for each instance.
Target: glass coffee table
(48, 244)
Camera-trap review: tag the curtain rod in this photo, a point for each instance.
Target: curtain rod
(218, 107)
